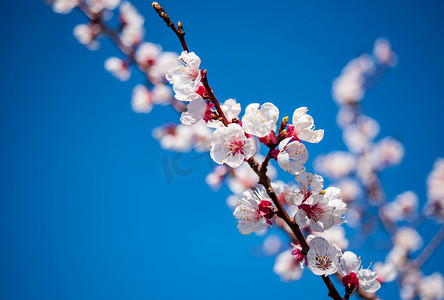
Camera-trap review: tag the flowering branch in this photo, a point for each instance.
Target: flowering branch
(430, 248)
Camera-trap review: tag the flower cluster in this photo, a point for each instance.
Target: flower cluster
(309, 213)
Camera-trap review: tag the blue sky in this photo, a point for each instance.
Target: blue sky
(86, 211)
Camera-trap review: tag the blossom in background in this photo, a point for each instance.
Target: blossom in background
(260, 121)
(408, 239)
(403, 207)
(303, 127)
(231, 146)
(231, 110)
(335, 235)
(147, 54)
(431, 287)
(435, 190)
(86, 34)
(323, 257)
(387, 272)
(185, 78)
(97, 6)
(336, 164)
(383, 53)
(132, 25)
(64, 6)
(288, 267)
(388, 152)
(292, 156)
(118, 68)
(353, 275)
(165, 62)
(254, 211)
(350, 189)
(272, 245)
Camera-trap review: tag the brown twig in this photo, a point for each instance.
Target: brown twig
(213, 98)
(178, 31)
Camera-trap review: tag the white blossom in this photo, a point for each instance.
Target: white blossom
(408, 239)
(185, 78)
(118, 68)
(86, 34)
(147, 54)
(97, 6)
(432, 287)
(231, 110)
(387, 272)
(287, 266)
(254, 211)
(336, 164)
(368, 280)
(260, 121)
(383, 52)
(195, 110)
(231, 146)
(165, 62)
(64, 6)
(320, 210)
(292, 156)
(364, 279)
(323, 258)
(142, 100)
(435, 190)
(303, 127)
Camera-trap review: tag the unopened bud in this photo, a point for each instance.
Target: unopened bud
(179, 26)
(283, 123)
(156, 6)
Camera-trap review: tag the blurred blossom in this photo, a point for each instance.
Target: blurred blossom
(97, 6)
(147, 54)
(336, 164)
(408, 239)
(160, 67)
(387, 272)
(350, 189)
(388, 152)
(287, 266)
(142, 100)
(346, 116)
(397, 256)
(403, 207)
(358, 137)
(215, 178)
(132, 24)
(383, 53)
(349, 86)
(431, 287)
(353, 217)
(174, 137)
(272, 244)
(64, 6)
(335, 235)
(86, 35)
(435, 190)
(118, 68)
(232, 201)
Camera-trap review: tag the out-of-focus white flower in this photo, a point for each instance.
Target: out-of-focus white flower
(303, 127)
(287, 267)
(132, 25)
(336, 164)
(231, 110)
(404, 206)
(185, 78)
(432, 287)
(175, 137)
(64, 6)
(383, 52)
(408, 239)
(320, 210)
(435, 190)
(147, 54)
(165, 62)
(97, 6)
(335, 235)
(260, 121)
(162, 94)
(358, 137)
(215, 178)
(272, 245)
(142, 100)
(387, 272)
(397, 257)
(388, 152)
(231, 146)
(254, 211)
(202, 137)
(323, 258)
(349, 86)
(118, 68)
(292, 156)
(245, 178)
(350, 189)
(86, 34)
